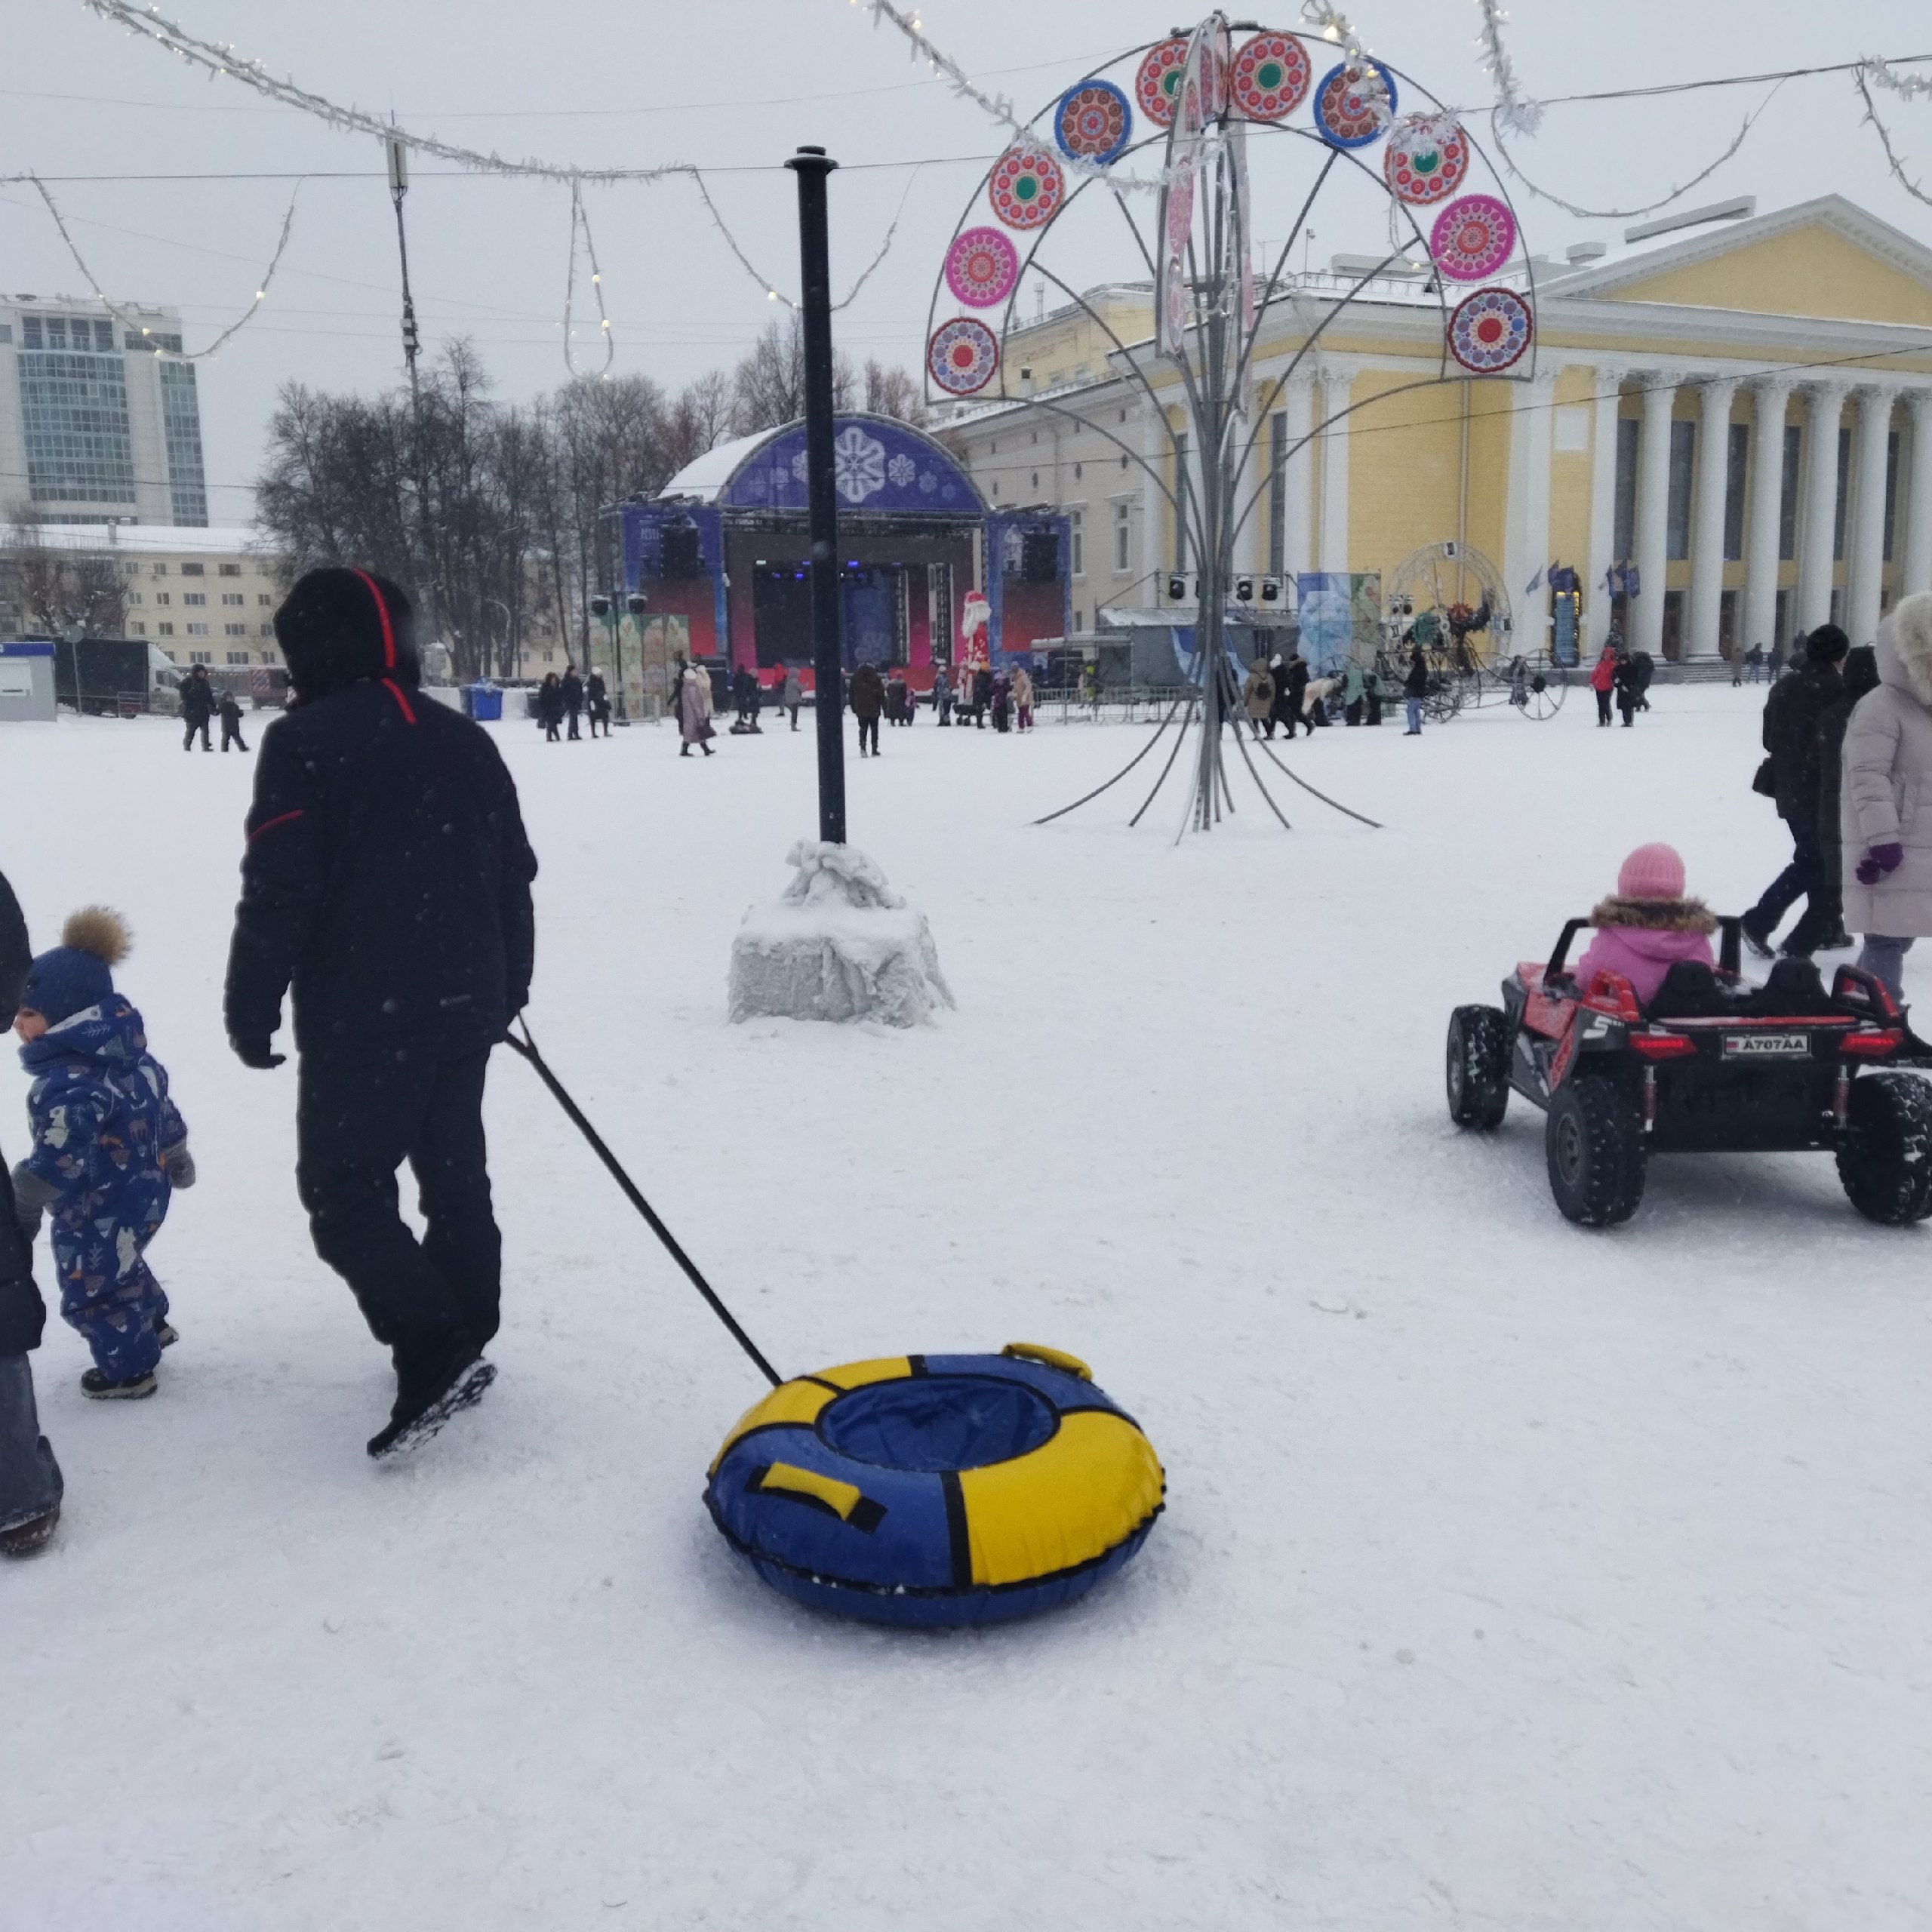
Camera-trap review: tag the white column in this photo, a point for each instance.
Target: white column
(1333, 546)
(1700, 631)
(1603, 500)
(1526, 515)
(1298, 478)
(1915, 515)
(1763, 517)
(1865, 537)
(1653, 510)
(1821, 498)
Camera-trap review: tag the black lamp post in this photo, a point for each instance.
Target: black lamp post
(811, 166)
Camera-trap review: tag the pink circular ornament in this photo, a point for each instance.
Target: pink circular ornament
(1159, 81)
(1426, 158)
(1026, 187)
(1180, 205)
(981, 267)
(962, 356)
(1472, 238)
(1490, 330)
(1272, 76)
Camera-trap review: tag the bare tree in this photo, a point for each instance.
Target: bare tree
(698, 418)
(51, 589)
(895, 392)
(768, 385)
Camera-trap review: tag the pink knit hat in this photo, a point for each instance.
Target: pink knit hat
(1652, 872)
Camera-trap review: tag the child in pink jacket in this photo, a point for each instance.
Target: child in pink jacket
(1648, 925)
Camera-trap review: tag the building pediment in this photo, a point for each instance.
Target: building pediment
(1826, 258)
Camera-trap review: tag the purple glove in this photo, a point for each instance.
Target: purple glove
(1877, 861)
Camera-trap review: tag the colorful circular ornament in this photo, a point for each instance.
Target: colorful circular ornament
(1472, 238)
(981, 267)
(1157, 82)
(1490, 330)
(1026, 187)
(1271, 77)
(1427, 155)
(1180, 205)
(962, 356)
(1093, 121)
(1348, 111)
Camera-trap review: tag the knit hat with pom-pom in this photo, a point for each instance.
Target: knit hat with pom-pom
(77, 973)
(1651, 872)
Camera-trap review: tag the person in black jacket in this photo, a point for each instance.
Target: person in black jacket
(1792, 714)
(571, 691)
(197, 707)
(550, 707)
(1415, 688)
(30, 1483)
(1624, 681)
(598, 700)
(231, 723)
(386, 880)
(1860, 676)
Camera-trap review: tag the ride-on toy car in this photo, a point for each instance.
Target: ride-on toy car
(1713, 1065)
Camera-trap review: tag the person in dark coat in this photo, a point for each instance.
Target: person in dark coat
(30, 1481)
(1292, 681)
(197, 707)
(1860, 676)
(1415, 688)
(231, 723)
(895, 699)
(386, 883)
(1642, 668)
(1792, 714)
(982, 695)
(1624, 681)
(550, 707)
(597, 701)
(866, 693)
(570, 688)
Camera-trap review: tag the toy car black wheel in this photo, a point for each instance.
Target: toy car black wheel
(1885, 1159)
(1594, 1140)
(1478, 1069)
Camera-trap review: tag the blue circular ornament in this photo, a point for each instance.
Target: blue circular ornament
(1350, 113)
(1093, 121)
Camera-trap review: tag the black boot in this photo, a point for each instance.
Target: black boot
(424, 1403)
(23, 1539)
(104, 1389)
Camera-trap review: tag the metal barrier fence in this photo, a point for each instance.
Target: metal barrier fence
(1113, 704)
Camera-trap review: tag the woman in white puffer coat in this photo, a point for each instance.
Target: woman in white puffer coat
(1885, 799)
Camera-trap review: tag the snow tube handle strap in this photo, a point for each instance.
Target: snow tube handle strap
(1049, 1357)
(842, 1500)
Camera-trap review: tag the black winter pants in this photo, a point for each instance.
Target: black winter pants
(231, 734)
(194, 724)
(868, 729)
(1603, 707)
(433, 1302)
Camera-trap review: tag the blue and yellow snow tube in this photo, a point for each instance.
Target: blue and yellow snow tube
(937, 1489)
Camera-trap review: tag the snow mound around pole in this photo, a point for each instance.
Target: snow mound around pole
(839, 944)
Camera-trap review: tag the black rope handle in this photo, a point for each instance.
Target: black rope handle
(527, 1048)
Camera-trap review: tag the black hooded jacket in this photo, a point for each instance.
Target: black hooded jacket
(386, 877)
(23, 1313)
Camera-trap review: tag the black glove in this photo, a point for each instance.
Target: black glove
(258, 1053)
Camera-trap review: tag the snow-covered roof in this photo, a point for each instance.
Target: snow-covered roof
(153, 539)
(705, 477)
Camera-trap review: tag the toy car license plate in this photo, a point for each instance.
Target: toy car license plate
(1767, 1046)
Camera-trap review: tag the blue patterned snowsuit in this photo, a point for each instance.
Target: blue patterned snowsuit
(101, 1119)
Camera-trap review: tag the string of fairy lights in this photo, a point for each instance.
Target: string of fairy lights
(1512, 110)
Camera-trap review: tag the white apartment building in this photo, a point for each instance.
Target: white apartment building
(204, 595)
(100, 419)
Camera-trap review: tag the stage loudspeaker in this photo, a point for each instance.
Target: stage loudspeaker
(1039, 556)
(681, 555)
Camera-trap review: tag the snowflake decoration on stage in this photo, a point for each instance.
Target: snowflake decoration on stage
(901, 469)
(928, 482)
(798, 465)
(858, 464)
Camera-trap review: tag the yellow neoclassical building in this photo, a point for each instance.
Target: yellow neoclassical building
(1743, 416)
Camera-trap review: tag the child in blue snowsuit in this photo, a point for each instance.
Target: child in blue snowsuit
(110, 1149)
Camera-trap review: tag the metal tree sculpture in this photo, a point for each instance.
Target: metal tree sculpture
(1200, 95)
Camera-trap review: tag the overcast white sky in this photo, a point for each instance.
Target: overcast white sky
(737, 84)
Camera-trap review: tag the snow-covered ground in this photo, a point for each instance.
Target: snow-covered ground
(1513, 1576)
